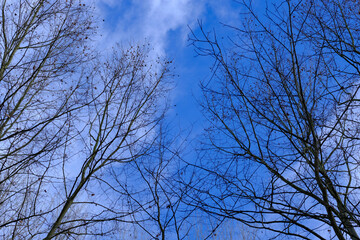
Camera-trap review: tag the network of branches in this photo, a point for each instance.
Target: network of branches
(87, 151)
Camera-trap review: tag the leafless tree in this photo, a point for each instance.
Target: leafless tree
(66, 116)
(41, 45)
(283, 140)
(152, 189)
(125, 95)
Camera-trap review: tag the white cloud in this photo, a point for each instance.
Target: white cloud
(129, 21)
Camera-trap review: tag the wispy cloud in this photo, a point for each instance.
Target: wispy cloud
(128, 21)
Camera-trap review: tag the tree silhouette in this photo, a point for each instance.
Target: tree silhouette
(284, 132)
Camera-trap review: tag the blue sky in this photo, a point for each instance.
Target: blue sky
(166, 24)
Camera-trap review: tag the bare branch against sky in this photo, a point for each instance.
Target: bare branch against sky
(181, 119)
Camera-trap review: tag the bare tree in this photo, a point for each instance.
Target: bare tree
(152, 189)
(66, 117)
(41, 45)
(125, 106)
(284, 120)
